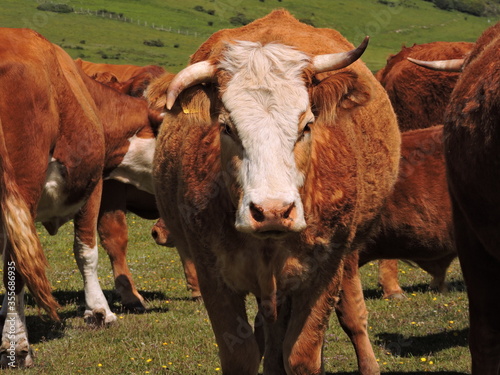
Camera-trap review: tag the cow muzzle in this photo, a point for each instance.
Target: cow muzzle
(271, 219)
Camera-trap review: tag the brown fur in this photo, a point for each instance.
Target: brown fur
(51, 107)
(350, 170)
(419, 95)
(416, 219)
(128, 79)
(472, 144)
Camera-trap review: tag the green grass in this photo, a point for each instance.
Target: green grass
(413, 21)
(425, 333)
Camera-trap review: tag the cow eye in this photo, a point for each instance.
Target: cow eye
(307, 128)
(227, 129)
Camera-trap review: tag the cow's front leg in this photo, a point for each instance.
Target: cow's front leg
(308, 320)
(85, 250)
(238, 348)
(15, 350)
(388, 279)
(353, 316)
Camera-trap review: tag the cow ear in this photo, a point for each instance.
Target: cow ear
(343, 89)
(156, 93)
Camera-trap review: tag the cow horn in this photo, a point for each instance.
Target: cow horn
(454, 65)
(202, 71)
(334, 61)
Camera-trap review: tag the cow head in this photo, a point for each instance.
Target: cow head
(265, 117)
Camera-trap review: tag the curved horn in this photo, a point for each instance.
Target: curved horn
(454, 65)
(334, 61)
(202, 71)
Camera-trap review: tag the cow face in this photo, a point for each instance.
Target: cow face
(265, 117)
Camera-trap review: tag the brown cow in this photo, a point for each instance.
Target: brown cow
(117, 197)
(128, 79)
(472, 154)
(416, 219)
(419, 98)
(270, 176)
(60, 133)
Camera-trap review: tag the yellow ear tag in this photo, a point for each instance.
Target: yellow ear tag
(188, 111)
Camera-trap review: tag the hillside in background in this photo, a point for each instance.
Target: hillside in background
(166, 32)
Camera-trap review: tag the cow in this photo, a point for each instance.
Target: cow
(61, 133)
(118, 197)
(472, 149)
(275, 156)
(419, 99)
(128, 79)
(416, 222)
(418, 96)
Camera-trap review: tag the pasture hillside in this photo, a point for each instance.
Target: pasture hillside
(427, 333)
(116, 32)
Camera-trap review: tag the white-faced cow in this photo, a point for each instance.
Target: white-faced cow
(275, 156)
(472, 154)
(60, 133)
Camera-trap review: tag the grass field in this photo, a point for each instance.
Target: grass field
(427, 333)
(93, 37)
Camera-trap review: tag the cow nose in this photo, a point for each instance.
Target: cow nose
(273, 216)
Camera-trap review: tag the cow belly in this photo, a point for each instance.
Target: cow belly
(52, 209)
(136, 167)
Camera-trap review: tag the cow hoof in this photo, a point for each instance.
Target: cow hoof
(99, 317)
(19, 355)
(134, 307)
(396, 296)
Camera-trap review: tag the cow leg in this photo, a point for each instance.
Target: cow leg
(481, 272)
(238, 348)
(85, 250)
(353, 316)
(15, 350)
(191, 276)
(308, 320)
(113, 232)
(388, 279)
(437, 269)
(274, 338)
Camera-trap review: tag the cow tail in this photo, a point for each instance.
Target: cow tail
(18, 229)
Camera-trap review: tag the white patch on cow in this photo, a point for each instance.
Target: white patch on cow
(52, 210)
(86, 258)
(265, 99)
(137, 165)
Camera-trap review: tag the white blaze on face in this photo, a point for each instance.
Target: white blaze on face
(264, 99)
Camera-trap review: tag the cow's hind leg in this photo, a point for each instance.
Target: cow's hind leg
(97, 310)
(353, 316)
(113, 232)
(437, 269)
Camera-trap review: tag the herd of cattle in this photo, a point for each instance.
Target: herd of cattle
(279, 164)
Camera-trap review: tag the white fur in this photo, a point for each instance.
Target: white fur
(86, 258)
(265, 98)
(137, 165)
